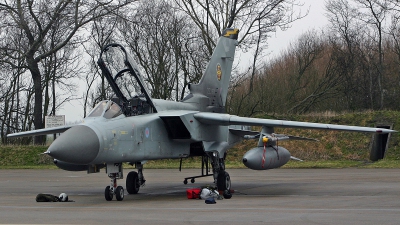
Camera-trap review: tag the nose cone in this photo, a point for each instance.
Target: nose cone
(78, 145)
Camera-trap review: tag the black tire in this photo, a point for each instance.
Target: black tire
(132, 183)
(227, 194)
(223, 181)
(108, 194)
(119, 193)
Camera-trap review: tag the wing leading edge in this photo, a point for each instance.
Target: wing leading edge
(226, 120)
(44, 131)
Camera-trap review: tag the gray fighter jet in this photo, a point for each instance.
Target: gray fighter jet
(139, 128)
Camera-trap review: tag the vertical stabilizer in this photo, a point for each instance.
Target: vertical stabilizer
(214, 84)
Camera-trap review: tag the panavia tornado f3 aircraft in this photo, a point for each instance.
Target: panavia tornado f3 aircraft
(139, 128)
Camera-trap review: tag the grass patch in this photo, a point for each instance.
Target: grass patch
(24, 157)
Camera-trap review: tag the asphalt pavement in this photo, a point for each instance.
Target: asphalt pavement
(280, 196)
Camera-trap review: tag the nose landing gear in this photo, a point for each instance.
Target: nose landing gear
(114, 171)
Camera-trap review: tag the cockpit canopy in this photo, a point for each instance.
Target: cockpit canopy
(107, 109)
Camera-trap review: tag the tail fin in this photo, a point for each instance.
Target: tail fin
(215, 81)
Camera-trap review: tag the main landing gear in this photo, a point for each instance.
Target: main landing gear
(221, 177)
(135, 179)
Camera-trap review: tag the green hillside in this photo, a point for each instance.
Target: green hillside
(334, 149)
(24, 156)
(344, 148)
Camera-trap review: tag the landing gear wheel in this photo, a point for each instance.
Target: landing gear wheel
(227, 194)
(119, 193)
(108, 194)
(185, 181)
(223, 181)
(132, 183)
(192, 180)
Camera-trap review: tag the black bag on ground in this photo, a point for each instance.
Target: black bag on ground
(46, 198)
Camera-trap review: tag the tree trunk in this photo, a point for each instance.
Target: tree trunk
(37, 110)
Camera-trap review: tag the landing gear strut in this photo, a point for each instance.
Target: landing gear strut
(221, 177)
(114, 171)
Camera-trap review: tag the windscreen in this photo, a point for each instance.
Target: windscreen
(107, 109)
(113, 110)
(98, 110)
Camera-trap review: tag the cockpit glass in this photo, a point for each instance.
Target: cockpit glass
(107, 109)
(98, 110)
(113, 110)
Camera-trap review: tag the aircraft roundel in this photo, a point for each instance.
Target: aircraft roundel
(147, 132)
(219, 72)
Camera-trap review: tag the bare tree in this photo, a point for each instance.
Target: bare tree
(212, 17)
(335, 70)
(165, 46)
(15, 89)
(102, 32)
(256, 20)
(36, 19)
(360, 25)
(374, 13)
(346, 39)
